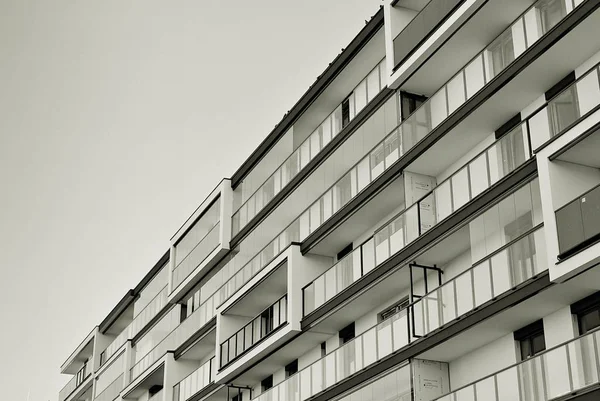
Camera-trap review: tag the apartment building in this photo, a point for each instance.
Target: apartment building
(424, 224)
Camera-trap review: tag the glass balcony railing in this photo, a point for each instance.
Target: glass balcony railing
(496, 162)
(255, 331)
(578, 222)
(201, 250)
(176, 337)
(566, 108)
(111, 392)
(360, 352)
(137, 324)
(195, 381)
(364, 93)
(559, 371)
(505, 269)
(273, 249)
(75, 382)
(527, 29)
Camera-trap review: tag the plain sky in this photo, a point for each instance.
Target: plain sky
(117, 118)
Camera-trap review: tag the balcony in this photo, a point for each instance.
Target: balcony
(195, 382)
(486, 169)
(176, 338)
(76, 382)
(254, 332)
(333, 124)
(503, 270)
(421, 26)
(578, 223)
(561, 371)
(154, 307)
(473, 287)
(111, 392)
(566, 109)
(201, 241)
(353, 357)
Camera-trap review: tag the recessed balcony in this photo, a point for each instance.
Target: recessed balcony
(196, 382)
(485, 170)
(565, 370)
(78, 385)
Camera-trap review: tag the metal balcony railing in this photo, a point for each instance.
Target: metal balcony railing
(254, 332)
(75, 382)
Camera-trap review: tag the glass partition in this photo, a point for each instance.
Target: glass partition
(255, 331)
(369, 347)
(195, 381)
(556, 372)
(209, 242)
(578, 222)
(484, 170)
(523, 33)
(566, 108)
(504, 269)
(364, 93)
(112, 391)
(175, 338)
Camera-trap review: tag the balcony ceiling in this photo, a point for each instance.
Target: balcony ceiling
(586, 152)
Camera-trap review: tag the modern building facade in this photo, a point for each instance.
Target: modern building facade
(423, 224)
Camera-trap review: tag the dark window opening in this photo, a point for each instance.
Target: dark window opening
(345, 112)
(347, 333)
(266, 383)
(347, 249)
(323, 349)
(409, 102)
(291, 368)
(155, 389)
(531, 339)
(587, 311)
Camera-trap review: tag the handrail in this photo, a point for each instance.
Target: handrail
(171, 336)
(193, 265)
(129, 332)
(307, 141)
(177, 393)
(515, 132)
(586, 193)
(282, 314)
(593, 334)
(79, 378)
(538, 111)
(217, 223)
(115, 387)
(409, 313)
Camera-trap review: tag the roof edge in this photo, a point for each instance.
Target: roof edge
(322, 81)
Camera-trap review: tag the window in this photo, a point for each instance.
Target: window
(266, 383)
(266, 322)
(347, 333)
(501, 52)
(563, 110)
(409, 102)
(587, 311)
(347, 249)
(323, 349)
(345, 112)
(531, 340)
(391, 311)
(291, 369)
(521, 254)
(550, 13)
